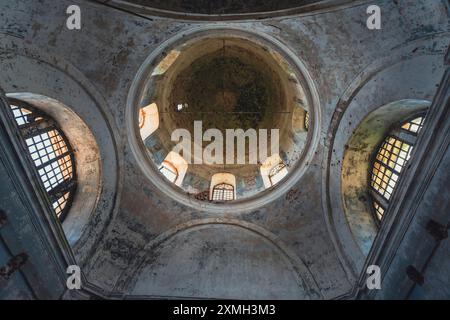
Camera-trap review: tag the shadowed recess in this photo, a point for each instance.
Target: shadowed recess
(221, 6)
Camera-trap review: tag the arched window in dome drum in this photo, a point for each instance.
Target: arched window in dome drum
(223, 192)
(169, 171)
(174, 168)
(307, 120)
(277, 173)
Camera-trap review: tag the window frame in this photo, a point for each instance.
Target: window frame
(31, 130)
(411, 118)
(223, 191)
(280, 166)
(169, 166)
(386, 166)
(307, 120)
(375, 195)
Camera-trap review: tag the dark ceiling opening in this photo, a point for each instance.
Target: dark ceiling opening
(222, 6)
(222, 9)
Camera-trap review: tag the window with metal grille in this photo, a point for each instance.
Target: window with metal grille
(50, 152)
(223, 192)
(307, 120)
(414, 125)
(379, 210)
(390, 160)
(277, 173)
(169, 171)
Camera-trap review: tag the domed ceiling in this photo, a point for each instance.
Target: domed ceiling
(239, 101)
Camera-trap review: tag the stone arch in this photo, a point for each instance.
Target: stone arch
(356, 164)
(87, 160)
(73, 89)
(376, 86)
(304, 280)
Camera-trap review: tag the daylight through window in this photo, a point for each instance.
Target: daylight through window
(51, 154)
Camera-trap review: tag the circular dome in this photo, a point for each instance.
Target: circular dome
(223, 118)
(227, 88)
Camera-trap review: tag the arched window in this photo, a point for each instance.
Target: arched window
(273, 170)
(379, 210)
(414, 125)
(307, 120)
(174, 168)
(300, 120)
(50, 152)
(277, 173)
(223, 187)
(389, 161)
(148, 120)
(169, 171)
(223, 192)
(166, 63)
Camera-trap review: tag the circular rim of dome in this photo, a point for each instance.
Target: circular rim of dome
(306, 9)
(141, 154)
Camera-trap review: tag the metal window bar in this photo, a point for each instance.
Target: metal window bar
(223, 192)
